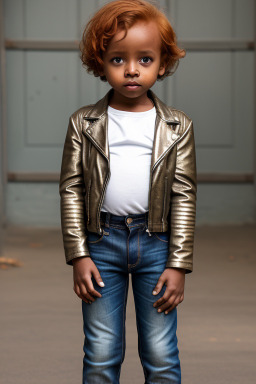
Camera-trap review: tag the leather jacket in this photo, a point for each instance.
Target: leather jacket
(85, 172)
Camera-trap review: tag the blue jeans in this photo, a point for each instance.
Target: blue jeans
(125, 247)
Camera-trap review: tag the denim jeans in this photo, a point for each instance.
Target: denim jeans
(126, 247)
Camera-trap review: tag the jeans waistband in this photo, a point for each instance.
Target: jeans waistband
(132, 219)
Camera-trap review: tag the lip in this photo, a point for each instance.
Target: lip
(132, 84)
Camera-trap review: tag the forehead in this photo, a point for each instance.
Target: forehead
(143, 35)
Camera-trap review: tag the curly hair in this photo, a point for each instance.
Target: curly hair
(123, 14)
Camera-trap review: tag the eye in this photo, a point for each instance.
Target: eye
(146, 59)
(117, 60)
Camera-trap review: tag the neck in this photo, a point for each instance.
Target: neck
(131, 104)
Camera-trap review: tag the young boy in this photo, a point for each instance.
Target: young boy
(128, 194)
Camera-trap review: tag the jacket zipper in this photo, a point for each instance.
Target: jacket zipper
(88, 201)
(89, 152)
(151, 171)
(165, 194)
(104, 187)
(150, 181)
(101, 202)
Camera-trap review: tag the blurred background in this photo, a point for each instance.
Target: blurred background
(42, 84)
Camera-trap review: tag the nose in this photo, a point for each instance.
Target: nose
(131, 69)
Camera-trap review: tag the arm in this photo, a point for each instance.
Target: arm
(72, 190)
(182, 216)
(183, 204)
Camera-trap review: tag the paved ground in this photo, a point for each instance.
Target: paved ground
(41, 323)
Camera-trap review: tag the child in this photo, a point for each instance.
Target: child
(128, 195)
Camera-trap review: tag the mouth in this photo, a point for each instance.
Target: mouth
(132, 85)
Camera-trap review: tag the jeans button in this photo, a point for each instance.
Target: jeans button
(129, 220)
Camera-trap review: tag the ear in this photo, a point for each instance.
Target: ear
(161, 70)
(163, 65)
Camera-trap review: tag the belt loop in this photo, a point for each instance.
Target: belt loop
(107, 219)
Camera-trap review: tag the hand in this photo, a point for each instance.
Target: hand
(174, 279)
(83, 269)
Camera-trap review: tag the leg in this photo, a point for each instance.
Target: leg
(157, 340)
(104, 319)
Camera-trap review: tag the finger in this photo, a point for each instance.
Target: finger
(78, 293)
(166, 296)
(174, 305)
(76, 289)
(90, 288)
(98, 278)
(166, 304)
(158, 286)
(85, 294)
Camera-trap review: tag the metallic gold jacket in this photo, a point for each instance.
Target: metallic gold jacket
(85, 172)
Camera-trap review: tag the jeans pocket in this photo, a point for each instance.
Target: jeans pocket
(93, 237)
(162, 236)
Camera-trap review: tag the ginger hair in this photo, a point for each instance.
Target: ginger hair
(122, 15)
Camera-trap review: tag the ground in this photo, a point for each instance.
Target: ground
(41, 334)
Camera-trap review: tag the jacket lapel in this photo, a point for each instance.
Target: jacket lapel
(165, 130)
(96, 127)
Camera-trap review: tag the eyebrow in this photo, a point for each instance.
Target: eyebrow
(147, 52)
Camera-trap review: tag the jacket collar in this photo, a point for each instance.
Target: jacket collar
(100, 108)
(95, 127)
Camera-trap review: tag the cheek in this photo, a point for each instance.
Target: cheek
(153, 73)
(114, 73)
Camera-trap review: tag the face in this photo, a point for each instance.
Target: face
(132, 65)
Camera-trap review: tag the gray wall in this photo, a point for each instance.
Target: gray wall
(214, 88)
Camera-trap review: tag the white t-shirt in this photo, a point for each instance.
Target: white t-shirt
(130, 136)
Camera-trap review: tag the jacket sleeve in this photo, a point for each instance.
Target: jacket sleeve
(72, 192)
(183, 204)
